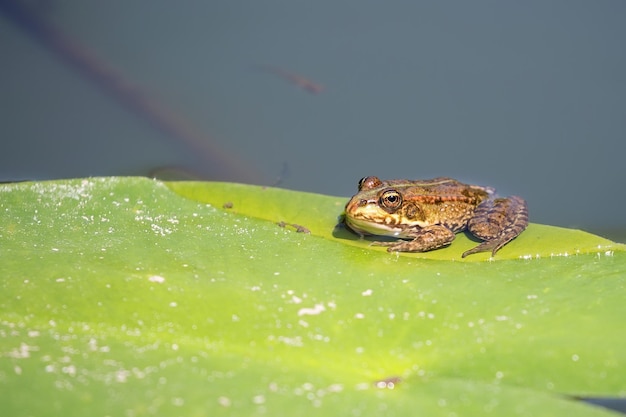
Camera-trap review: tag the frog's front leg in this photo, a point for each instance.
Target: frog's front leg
(424, 239)
(497, 222)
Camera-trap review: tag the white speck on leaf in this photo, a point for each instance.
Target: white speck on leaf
(308, 311)
(224, 401)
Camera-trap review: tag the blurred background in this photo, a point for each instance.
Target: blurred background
(528, 97)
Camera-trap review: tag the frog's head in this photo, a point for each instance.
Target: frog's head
(380, 209)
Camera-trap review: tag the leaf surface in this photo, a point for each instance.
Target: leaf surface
(128, 296)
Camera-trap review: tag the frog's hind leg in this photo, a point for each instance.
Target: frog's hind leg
(497, 222)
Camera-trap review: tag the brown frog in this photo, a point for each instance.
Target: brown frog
(426, 214)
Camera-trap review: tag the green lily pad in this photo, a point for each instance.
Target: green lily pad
(320, 215)
(128, 296)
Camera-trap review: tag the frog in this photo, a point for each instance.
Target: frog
(427, 214)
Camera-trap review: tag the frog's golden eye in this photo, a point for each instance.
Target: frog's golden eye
(390, 200)
(367, 183)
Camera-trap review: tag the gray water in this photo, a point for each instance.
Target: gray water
(528, 97)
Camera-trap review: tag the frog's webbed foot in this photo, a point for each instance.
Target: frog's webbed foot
(427, 238)
(497, 222)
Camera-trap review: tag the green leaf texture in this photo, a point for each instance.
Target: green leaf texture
(133, 297)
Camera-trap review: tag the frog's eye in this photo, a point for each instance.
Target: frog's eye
(390, 200)
(367, 183)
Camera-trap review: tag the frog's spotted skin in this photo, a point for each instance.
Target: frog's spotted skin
(425, 214)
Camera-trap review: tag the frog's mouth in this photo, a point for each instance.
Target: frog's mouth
(369, 227)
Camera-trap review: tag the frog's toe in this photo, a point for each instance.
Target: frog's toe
(385, 243)
(398, 246)
(403, 246)
(490, 245)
